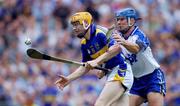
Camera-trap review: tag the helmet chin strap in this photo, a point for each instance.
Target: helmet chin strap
(85, 25)
(129, 22)
(81, 35)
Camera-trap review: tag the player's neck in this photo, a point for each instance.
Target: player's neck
(129, 32)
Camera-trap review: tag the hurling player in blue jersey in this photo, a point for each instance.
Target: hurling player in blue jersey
(149, 83)
(98, 50)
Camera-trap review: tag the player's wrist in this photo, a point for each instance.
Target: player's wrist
(99, 62)
(124, 43)
(69, 79)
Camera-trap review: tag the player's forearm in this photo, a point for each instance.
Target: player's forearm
(78, 73)
(132, 47)
(112, 51)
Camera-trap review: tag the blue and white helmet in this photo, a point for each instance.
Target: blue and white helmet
(128, 13)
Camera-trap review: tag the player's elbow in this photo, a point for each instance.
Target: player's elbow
(133, 49)
(136, 49)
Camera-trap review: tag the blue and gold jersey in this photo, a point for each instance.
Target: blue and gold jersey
(99, 44)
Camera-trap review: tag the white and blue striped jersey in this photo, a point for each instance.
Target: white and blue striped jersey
(143, 62)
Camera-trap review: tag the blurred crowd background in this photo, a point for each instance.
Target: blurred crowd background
(28, 82)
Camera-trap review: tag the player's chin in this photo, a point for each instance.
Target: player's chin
(80, 36)
(121, 28)
(118, 29)
(123, 31)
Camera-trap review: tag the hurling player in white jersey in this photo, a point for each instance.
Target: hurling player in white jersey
(149, 83)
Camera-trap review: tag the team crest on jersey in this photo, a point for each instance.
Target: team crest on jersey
(97, 46)
(92, 49)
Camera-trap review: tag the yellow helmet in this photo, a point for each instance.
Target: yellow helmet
(81, 17)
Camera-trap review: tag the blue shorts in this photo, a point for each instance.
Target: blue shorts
(153, 82)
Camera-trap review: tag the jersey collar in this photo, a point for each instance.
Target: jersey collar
(92, 30)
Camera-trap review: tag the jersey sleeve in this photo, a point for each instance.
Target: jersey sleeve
(102, 38)
(106, 41)
(142, 41)
(111, 41)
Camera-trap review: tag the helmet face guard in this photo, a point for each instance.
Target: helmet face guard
(127, 13)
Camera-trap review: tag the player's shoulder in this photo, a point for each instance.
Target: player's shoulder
(101, 30)
(138, 32)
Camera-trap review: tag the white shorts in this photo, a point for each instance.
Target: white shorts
(124, 76)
